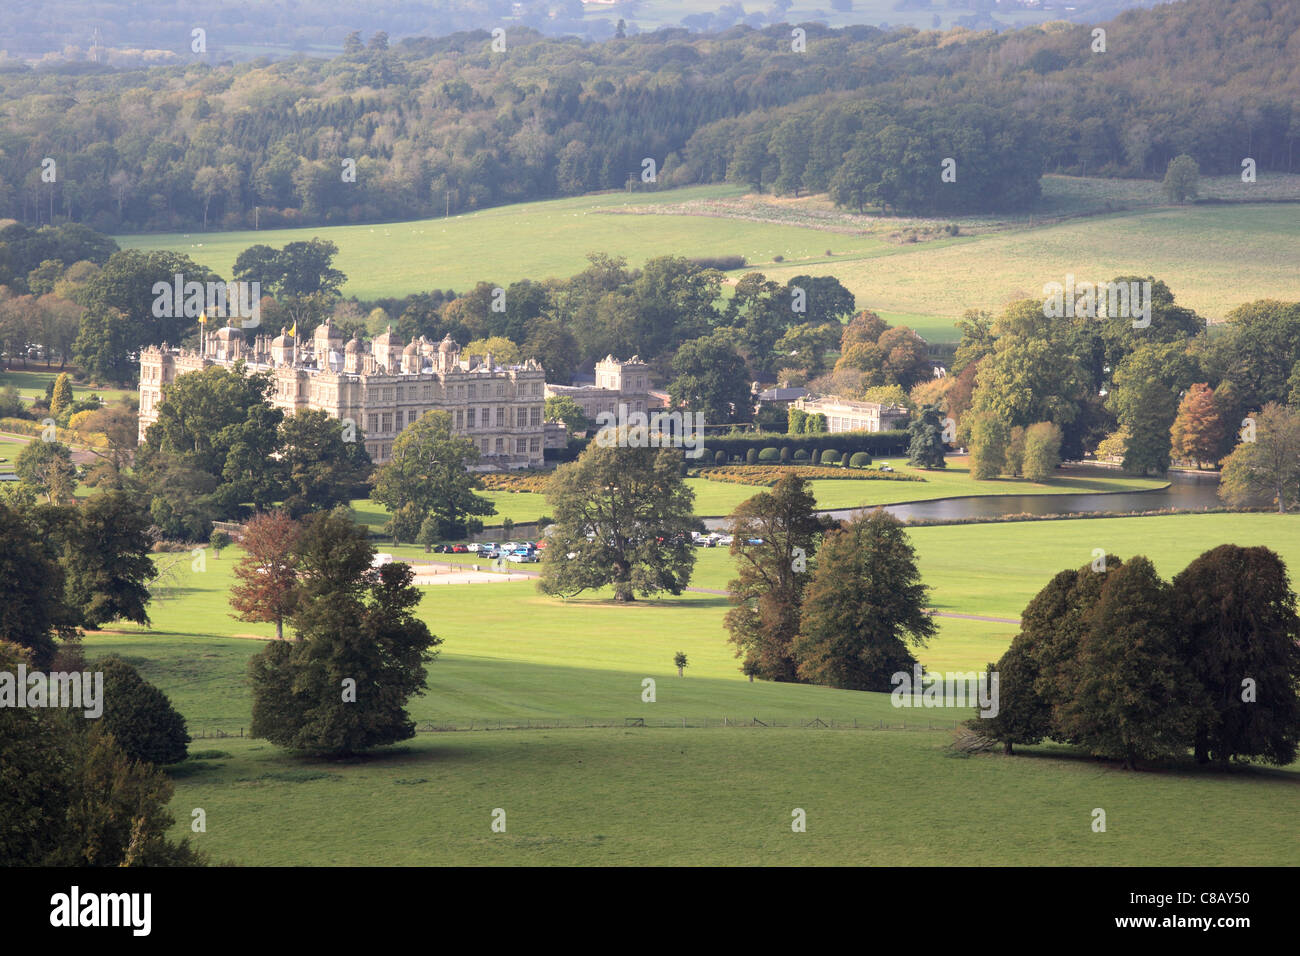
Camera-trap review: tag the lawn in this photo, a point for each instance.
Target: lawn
(657, 797)
(31, 384)
(667, 794)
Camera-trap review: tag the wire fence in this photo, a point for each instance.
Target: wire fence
(467, 724)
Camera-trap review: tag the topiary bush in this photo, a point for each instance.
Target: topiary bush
(751, 456)
(785, 454)
(830, 457)
(720, 458)
(859, 459)
(800, 455)
(769, 454)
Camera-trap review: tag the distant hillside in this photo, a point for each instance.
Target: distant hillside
(432, 126)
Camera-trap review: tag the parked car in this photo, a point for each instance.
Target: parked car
(459, 549)
(521, 557)
(442, 549)
(885, 468)
(473, 546)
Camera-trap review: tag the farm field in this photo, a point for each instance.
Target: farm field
(926, 284)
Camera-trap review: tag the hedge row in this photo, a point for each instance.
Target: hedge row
(876, 444)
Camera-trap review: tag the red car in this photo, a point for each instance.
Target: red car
(459, 549)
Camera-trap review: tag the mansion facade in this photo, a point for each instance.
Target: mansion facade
(381, 388)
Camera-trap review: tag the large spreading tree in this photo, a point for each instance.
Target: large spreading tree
(623, 518)
(429, 477)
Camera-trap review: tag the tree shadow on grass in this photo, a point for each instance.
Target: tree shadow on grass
(1184, 769)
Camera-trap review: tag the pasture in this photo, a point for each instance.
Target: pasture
(1093, 228)
(670, 794)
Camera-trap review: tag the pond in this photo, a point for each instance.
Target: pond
(1187, 491)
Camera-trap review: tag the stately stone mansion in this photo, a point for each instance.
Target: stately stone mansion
(382, 387)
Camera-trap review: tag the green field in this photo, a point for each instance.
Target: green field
(671, 794)
(700, 793)
(926, 284)
(31, 384)
(722, 797)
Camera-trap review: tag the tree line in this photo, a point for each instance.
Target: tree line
(1112, 658)
(433, 126)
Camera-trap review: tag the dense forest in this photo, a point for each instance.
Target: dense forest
(430, 126)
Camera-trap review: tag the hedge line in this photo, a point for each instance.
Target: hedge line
(876, 444)
(872, 443)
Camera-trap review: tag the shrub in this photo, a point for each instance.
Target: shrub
(830, 456)
(768, 454)
(721, 263)
(140, 716)
(720, 458)
(801, 455)
(751, 456)
(859, 459)
(785, 454)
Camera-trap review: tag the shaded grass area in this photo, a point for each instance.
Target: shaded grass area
(679, 797)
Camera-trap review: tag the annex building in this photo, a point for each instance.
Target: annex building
(846, 416)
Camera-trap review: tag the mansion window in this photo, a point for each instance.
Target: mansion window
(469, 418)
(387, 395)
(534, 445)
(459, 423)
(472, 389)
(501, 418)
(521, 417)
(410, 417)
(534, 416)
(501, 390)
(501, 446)
(387, 422)
(427, 391)
(372, 423)
(521, 446)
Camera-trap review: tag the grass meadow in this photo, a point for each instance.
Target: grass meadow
(1095, 229)
(668, 794)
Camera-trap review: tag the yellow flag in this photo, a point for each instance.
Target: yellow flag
(294, 331)
(203, 317)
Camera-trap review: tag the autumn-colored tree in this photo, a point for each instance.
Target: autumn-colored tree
(1264, 468)
(1198, 429)
(268, 573)
(62, 397)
